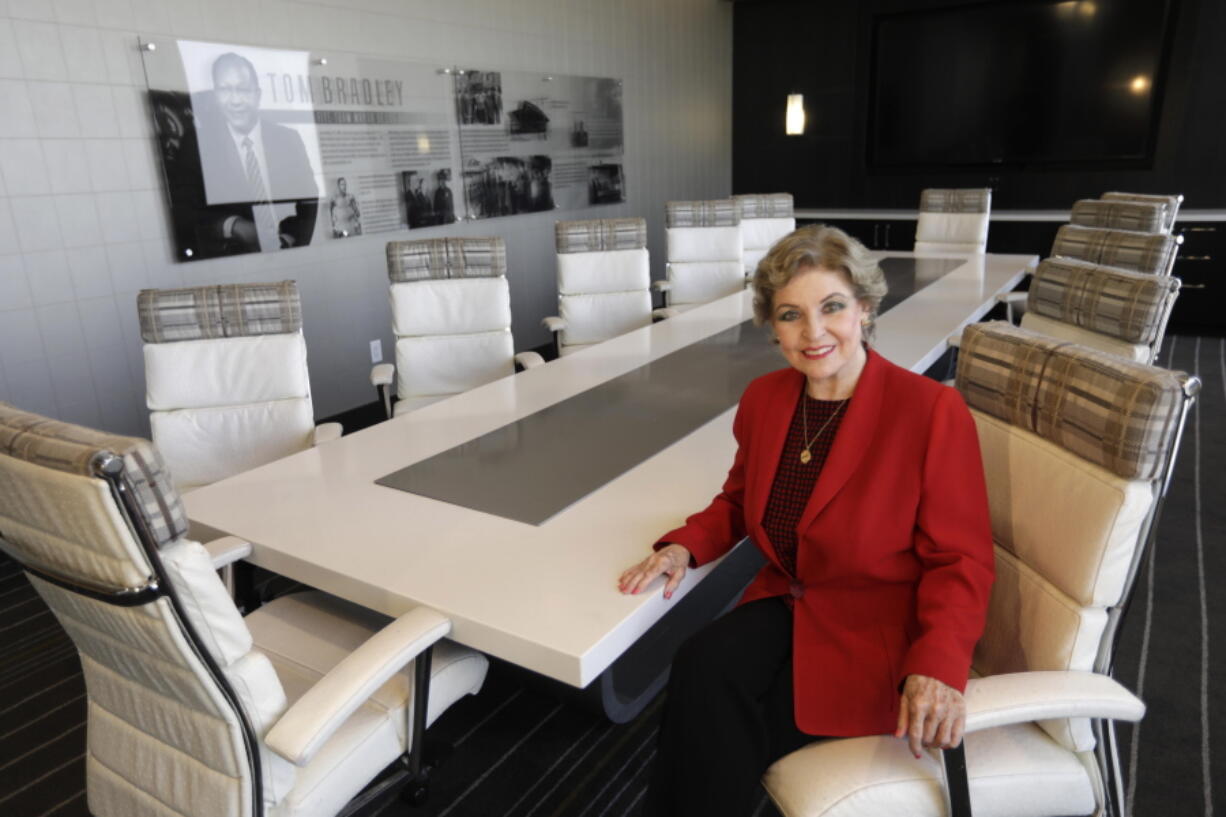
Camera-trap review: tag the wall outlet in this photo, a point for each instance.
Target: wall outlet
(376, 351)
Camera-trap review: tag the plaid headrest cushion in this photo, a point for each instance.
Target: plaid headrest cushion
(1130, 306)
(764, 205)
(1143, 217)
(75, 449)
(227, 311)
(600, 234)
(956, 200)
(1109, 411)
(713, 213)
(440, 258)
(1151, 253)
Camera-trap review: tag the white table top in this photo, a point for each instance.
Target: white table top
(543, 597)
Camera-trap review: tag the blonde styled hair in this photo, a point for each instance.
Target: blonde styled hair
(809, 248)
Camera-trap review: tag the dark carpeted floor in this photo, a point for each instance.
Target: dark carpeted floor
(520, 752)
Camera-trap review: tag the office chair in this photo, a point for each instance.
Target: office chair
(192, 709)
(1119, 214)
(1171, 202)
(1078, 450)
(953, 220)
(765, 218)
(226, 378)
(451, 314)
(705, 252)
(1118, 312)
(604, 282)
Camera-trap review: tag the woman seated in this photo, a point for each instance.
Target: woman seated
(863, 486)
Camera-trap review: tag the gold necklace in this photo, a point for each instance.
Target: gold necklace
(805, 456)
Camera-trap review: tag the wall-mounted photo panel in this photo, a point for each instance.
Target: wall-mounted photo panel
(269, 149)
(534, 142)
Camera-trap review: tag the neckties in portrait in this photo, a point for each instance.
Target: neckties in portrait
(265, 219)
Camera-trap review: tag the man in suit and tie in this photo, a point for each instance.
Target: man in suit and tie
(257, 191)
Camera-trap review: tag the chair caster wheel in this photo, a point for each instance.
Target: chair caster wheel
(415, 794)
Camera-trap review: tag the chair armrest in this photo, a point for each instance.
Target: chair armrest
(227, 550)
(382, 374)
(665, 312)
(1021, 697)
(661, 285)
(1012, 297)
(300, 732)
(554, 323)
(327, 432)
(529, 360)
(955, 340)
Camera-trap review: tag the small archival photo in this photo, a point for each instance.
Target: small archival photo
(343, 209)
(528, 121)
(479, 97)
(428, 197)
(507, 185)
(605, 184)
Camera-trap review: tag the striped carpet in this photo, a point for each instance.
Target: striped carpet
(521, 752)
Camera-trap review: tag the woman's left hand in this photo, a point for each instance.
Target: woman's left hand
(931, 713)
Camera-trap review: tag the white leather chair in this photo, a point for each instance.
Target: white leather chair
(1118, 312)
(1078, 448)
(226, 378)
(451, 314)
(1120, 214)
(765, 218)
(1170, 202)
(705, 252)
(192, 709)
(953, 220)
(604, 281)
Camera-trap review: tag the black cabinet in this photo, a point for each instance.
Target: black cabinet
(1200, 308)
(876, 234)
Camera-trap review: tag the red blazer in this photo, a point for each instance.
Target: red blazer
(894, 549)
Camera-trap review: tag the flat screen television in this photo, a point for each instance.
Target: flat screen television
(1018, 83)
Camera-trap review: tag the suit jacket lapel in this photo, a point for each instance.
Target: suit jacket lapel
(771, 433)
(852, 439)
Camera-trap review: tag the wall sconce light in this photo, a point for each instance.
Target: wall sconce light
(795, 120)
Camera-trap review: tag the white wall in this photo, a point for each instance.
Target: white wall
(83, 219)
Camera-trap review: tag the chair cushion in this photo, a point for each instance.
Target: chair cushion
(443, 258)
(1171, 203)
(205, 445)
(449, 364)
(1129, 306)
(227, 311)
(1143, 217)
(705, 244)
(306, 635)
(450, 307)
(704, 281)
(711, 213)
(610, 271)
(225, 372)
(968, 231)
(1138, 352)
(762, 233)
(597, 317)
(956, 200)
(764, 206)
(1014, 771)
(600, 235)
(1151, 253)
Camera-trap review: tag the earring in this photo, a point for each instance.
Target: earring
(775, 339)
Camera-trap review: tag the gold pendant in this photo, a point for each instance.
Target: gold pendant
(805, 456)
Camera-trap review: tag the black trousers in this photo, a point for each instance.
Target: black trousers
(728, 716)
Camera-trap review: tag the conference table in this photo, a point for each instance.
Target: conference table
(512, 508)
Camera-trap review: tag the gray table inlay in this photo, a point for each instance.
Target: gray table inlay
(533, 468)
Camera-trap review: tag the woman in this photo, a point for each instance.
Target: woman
(862, 484)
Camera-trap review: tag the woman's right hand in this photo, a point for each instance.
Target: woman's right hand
(670, 560)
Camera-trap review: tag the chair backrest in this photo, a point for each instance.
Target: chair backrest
(178, 701)
(1150, 253)
(1171, 202)
(1122, 313)
(1138, 216)
(604, 279)
(1077, 448)
(226, 377)
(765, 218)
(451, 314)
(705, 251)
(953, 220)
